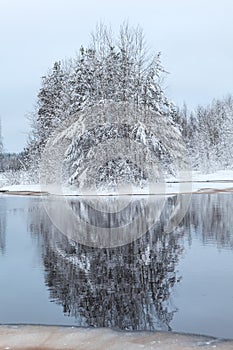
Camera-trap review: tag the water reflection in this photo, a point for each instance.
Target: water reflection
(211, 217)
(133, 286)
(104, 222)
(2, 226)
(127, 287)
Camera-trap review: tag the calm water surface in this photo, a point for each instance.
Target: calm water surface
(179, 281)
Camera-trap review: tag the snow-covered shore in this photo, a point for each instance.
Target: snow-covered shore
(197, 183)
(70, 338)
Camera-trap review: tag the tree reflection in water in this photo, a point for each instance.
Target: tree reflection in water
(127, 287)
(210, 217)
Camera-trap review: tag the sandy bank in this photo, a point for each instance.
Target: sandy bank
(69, 338)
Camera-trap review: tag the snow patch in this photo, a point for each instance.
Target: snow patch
(219, 181)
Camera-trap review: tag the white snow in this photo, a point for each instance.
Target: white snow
(22, 188)
(221, 175)
(219, 181)
(70, 338)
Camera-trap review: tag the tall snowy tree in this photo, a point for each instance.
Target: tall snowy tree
(52, 102)
(110, 71)
(113, 69)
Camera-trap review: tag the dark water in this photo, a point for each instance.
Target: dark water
(177, 281)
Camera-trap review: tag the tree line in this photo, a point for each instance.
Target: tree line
(208, 134)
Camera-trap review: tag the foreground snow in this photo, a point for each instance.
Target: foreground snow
(197, 182)
(69, 338)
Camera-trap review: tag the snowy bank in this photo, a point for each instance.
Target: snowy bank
(198, 183)
(69, 338)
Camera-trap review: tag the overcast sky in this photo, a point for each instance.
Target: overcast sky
(194, 36)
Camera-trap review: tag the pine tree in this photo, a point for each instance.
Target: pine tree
(51, 101)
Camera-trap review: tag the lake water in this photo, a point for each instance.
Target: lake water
(180, 281)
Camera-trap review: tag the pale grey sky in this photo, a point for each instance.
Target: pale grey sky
(195, 38)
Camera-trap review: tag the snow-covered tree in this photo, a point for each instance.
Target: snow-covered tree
(51, 105)
(115, 69)
(226, 134)
(208, 133)
(119, 138)
(110, 71)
